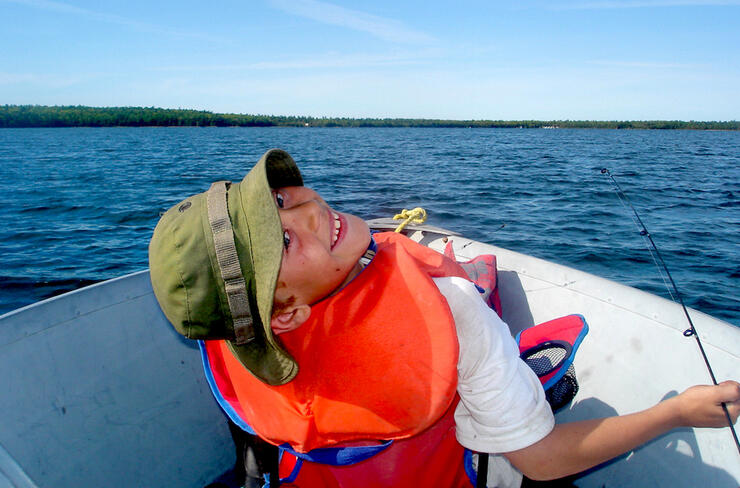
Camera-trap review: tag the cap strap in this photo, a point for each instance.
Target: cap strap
(228, 261)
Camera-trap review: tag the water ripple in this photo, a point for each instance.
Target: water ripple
(79, 205)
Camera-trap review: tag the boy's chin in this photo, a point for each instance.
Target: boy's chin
(359, 232)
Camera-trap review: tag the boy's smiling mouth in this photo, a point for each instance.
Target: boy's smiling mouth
(337, 228)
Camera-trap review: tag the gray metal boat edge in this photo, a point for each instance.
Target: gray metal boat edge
(98, 389)
(12, 475)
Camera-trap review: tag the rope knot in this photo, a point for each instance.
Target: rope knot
(417, 216)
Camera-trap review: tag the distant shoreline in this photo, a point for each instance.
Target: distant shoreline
(42, 116)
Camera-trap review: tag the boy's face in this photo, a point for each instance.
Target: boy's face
(321, 246)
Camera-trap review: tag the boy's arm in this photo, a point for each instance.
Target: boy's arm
(573, 447)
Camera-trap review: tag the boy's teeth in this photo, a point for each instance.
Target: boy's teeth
(337, 225)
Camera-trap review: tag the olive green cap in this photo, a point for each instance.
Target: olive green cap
(228, 238)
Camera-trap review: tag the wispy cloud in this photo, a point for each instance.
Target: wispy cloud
(326, 61)
(64, 8)
(645, 64)
(332, 61)
(380, 27)
(614, 4)
(36, 79)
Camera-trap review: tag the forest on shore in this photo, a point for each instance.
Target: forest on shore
(27, 116)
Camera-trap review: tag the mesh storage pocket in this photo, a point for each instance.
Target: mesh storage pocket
(545, 359)
(563, 391)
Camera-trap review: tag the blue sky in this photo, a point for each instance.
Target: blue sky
(532, 59)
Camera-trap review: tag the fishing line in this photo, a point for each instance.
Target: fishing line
(626, 204)
(691, 331)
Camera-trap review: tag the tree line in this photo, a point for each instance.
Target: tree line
(24, 116)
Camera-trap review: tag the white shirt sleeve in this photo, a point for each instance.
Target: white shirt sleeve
(502, 404)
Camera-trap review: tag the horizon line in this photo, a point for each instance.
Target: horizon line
(349, 118)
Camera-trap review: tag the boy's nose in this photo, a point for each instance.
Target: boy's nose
(308, 215)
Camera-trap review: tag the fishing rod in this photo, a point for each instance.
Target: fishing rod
(691, 331)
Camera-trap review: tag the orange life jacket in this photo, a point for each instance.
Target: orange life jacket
(378, 360)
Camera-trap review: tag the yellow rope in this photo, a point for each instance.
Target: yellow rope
(417, 216)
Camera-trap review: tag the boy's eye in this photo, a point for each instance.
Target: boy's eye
(279, 199)
(286, 239)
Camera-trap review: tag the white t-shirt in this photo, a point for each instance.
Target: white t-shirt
(502, 404)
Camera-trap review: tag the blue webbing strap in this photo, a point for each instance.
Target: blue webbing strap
(468, 465)
(293, 474)
(339, 456)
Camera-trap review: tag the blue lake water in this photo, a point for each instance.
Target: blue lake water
(79, 205)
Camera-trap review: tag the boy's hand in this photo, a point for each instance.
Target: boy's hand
(701, 406)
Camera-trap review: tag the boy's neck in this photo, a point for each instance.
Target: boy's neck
(362, 263)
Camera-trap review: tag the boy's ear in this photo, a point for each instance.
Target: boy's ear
(290, 318)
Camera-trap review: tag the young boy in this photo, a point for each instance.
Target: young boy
(377, 340)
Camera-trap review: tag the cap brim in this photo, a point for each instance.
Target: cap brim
(265, 358)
